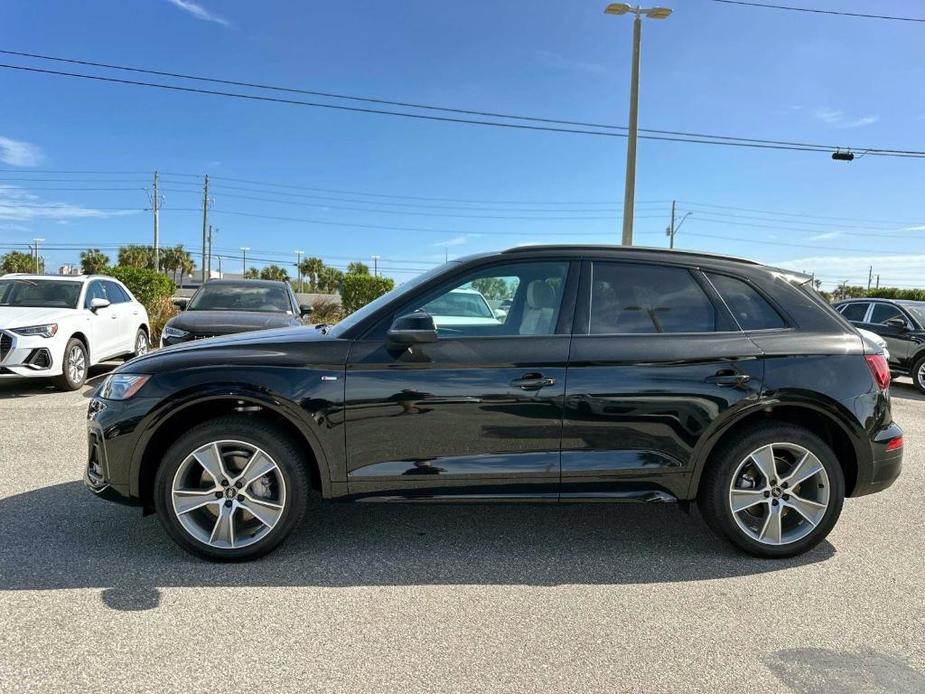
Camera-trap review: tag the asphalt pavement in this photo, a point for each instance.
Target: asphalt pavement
(367, 598)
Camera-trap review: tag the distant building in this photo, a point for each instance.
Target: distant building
(69, 270)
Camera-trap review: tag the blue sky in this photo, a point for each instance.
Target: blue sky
(709, 68)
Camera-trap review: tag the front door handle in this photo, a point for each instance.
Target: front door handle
(533, 381)
(728, 378)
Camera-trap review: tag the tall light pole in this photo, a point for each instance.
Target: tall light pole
(375, 266)
(629, 194)
(298, 265)
(244, 250)
(35, 245)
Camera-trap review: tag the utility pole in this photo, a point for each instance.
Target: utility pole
(878, 280)
(155, 206)
(870, 277)
(375, 266)
(244, 250)
(219, 266)
(673, 228)
(205, 224)
(35, 248)
(298, 265)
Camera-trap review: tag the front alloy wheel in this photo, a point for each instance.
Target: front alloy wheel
(231, 489)
(141, 344)
(74, 366)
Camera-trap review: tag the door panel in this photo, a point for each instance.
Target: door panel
(460, 416)
(898, 340)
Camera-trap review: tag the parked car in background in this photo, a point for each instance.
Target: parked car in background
(877, 340)
(222, 307)
(619, 374)
(58, 327)
(901, 324)
(463, 306)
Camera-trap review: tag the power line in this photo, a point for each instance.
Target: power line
(689, 203)
(815, 11)
(693, 138)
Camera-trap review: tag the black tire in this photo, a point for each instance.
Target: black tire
(265, 436)
(918, 374)
(140, 335)
(714, 495)
(65, 381)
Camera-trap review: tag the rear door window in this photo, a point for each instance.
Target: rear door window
(749, 308)
(629, 298)
(855, 312)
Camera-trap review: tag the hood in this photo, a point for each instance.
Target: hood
(225, 322)
(22, 316)
(295, 346)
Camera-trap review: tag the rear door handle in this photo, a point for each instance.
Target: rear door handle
(533, 381)
(728, 377)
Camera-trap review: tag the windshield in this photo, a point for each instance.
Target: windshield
(233, 297)
(373, 306)
(39, 293)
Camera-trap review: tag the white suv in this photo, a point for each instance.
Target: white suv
(60, 326)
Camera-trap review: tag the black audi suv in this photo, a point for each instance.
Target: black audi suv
(902, 326)
(616, 374)
(223, 307)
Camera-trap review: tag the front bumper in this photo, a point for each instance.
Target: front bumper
(29, 356)
(885, 465)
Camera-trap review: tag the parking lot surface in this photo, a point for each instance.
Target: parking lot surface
(596, 598)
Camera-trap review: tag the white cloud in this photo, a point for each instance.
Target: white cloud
(19, 205)
(19, 153)
(561, 62)
(920, 227)
(839, 119)
(895, 270)
(199, 12)
(455, 241)
(825, 237)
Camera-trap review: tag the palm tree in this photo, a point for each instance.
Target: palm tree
(357, 268)
(93, 261)
(329, 279)
(137, 256)
(274, 272)
(312, 268)
(252, 274)
(17, 261)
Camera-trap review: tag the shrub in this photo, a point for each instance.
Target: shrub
(153, 290)
(358, 290)
(159, 312)
(326, 311)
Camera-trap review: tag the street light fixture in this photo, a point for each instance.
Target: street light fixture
(629, 195)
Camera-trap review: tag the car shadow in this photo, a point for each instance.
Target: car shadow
(61, 537)
(904, 390)
(27, 387)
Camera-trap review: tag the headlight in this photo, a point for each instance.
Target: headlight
(47, 330)
(122, 386)
(175, 332)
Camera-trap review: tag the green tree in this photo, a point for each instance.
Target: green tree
(147, 285)
(357, 268)
(329, 279)
(311, 269)
(492, 288)
(274, 272)
(17, 261)
(252, 274)
(358, 289)
(93, 261)
(137, 256)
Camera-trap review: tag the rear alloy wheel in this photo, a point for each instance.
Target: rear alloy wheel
(141, 344)
(918, 374)
(775, 493)
(74, 366)
(231, 489)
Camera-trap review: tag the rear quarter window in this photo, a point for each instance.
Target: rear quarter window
(750, 309)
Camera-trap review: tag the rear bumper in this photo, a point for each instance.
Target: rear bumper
(885, 464)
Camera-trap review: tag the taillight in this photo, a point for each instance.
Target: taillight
(879, 370)
(894, 444)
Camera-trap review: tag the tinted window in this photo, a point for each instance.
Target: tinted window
(855, 312)
(115, 293)
(629, 298)
(95, 291)
(515, 299)
(883, 312)
(748, 307)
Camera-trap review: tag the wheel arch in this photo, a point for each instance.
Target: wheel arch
(80, 335)
(178, 418)
(820, 421)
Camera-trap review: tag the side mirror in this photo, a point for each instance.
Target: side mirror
(305, 310)
(181, 302)
(896, 322)
(412, 329)
(98, 303)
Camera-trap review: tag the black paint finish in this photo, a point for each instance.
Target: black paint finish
(569, 416)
